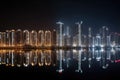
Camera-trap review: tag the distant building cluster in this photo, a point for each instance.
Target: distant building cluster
(19, 38)
(58, 38)
(103, 37)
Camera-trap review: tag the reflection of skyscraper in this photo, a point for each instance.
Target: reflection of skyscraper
(33, 58)
(26, 59)
(104, 60)
(60, 55)
(68, 58)
(79, 61)
(54, 58)
(41, 58)
(47, 57)
(3, 56)
(7, 57)
(0, 57)
(89, 57)
(98, 55)
(113, 55)
(12, 58)
(19, 58)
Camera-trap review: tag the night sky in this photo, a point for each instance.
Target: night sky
(44, 14)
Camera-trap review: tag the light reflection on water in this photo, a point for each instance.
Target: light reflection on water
(62, 59)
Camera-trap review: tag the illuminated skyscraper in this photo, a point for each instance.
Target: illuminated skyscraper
(108, 44)
(0, 39)
(41, 38)
(84, 40)
(66, 37)
(54, 38)
(89, 37)
(60, 33)
(12, 38)
(3, 39)
(33, 38)
(104, 31)
(26, 37)
(7, 38)
(79, 33)
(19, 37)
(98, 40)
(48, 38)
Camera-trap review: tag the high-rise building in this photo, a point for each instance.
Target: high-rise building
(33, 38)
(41, 38)
(1, 39)
(48, 38)
(54, 38)
(26, 37)
(19, 37)
(12, 38)
(7, 38)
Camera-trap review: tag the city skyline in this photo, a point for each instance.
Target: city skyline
(83, 45)
(103, 37)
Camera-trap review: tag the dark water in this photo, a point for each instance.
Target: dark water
(92, 64)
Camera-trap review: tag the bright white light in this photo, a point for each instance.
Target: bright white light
(101, 45)
(102, 50)
(74, 51)
(74, 44)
